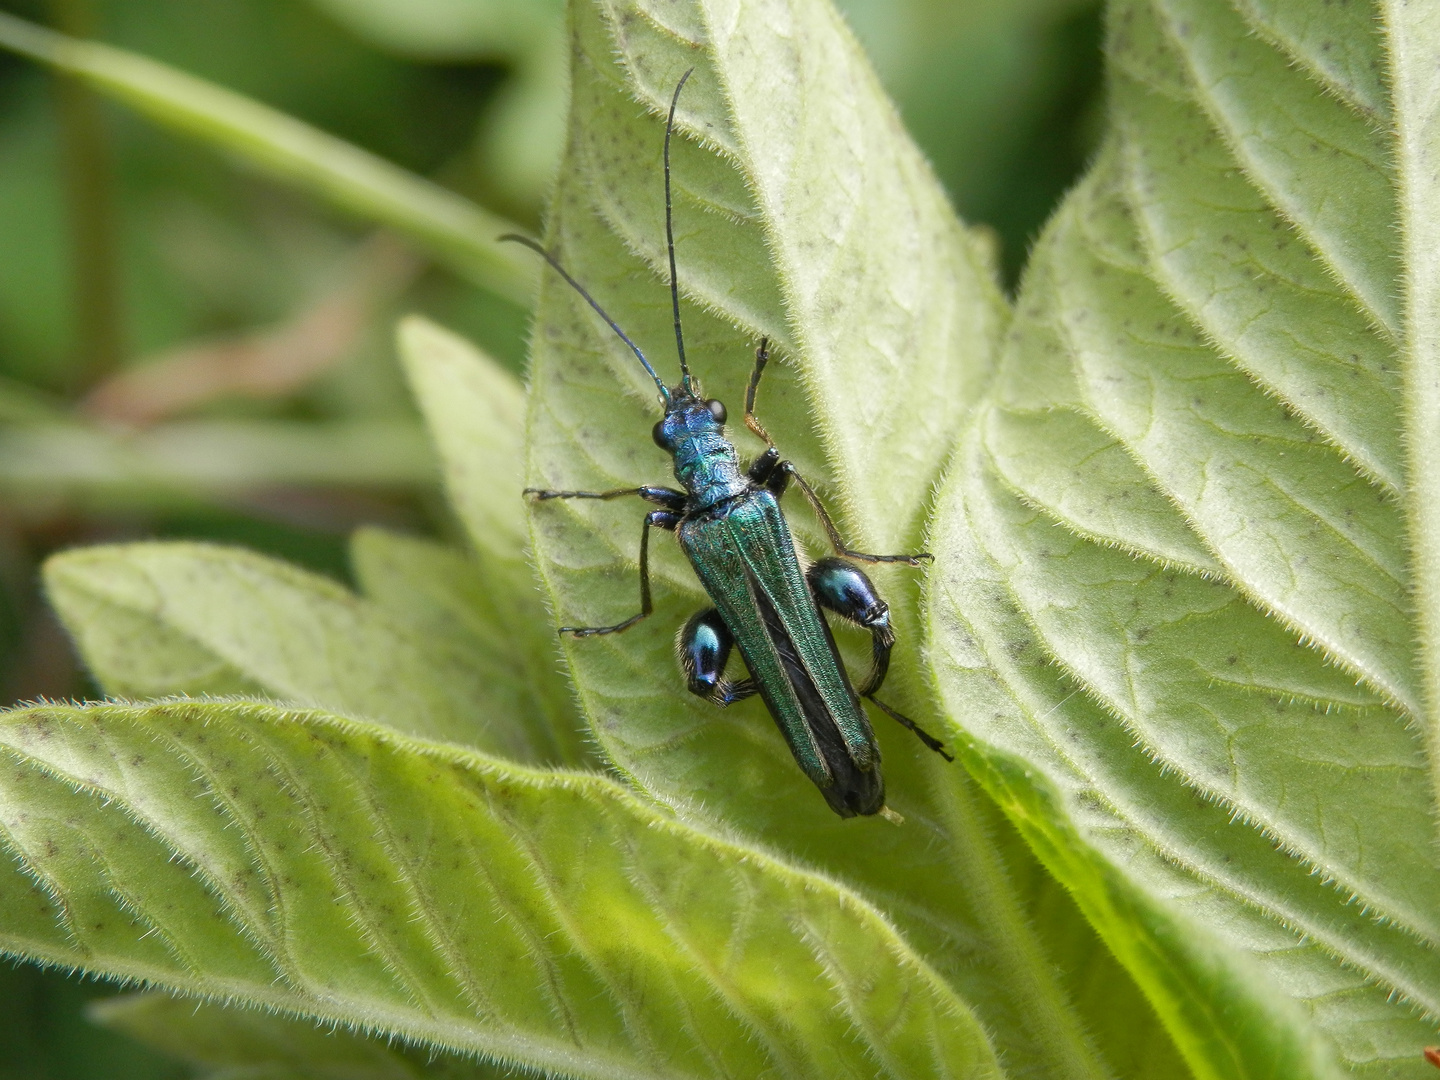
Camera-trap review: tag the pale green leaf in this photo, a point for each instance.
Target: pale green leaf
(178, 618)
(1413, 43)
(487, 617)
(306, 863)
(803, 213)
(1173, 611)
(455, 229)
(475, 411)
(433, 588)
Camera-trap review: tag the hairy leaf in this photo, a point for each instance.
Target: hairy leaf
(450, 605)
(1412, 43)
(220, 1038)
(475, 411)
(1174, 613)
(180, 618)
(307, 863)
(803, 213)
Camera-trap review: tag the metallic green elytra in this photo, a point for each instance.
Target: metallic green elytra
(730, 526)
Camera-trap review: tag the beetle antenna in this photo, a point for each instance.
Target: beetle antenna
(555, 265)
(670, 236)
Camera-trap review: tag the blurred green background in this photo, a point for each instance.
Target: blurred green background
(189, 351)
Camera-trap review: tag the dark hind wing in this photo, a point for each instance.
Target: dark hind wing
(852, 790)
(714, 552)
(774, 569)
(803, 710)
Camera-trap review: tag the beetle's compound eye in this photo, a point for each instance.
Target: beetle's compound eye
(658, 434)
(717, 410)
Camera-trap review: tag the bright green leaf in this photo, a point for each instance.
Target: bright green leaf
(302, 862)
(454, 228)
(1173, 611)
(159, 619)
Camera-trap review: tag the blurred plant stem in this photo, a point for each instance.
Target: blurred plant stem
(68, 465)
(99, 336)
(455, 229)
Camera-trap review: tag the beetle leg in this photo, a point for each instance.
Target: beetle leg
(704, 646)
(763, 467)
(762, 357)
(769, 472)
(766, 471)
(656, 519)
(844, 589)
(832, 532)
(920, 733)
(669, 498)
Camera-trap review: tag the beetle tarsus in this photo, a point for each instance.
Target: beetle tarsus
(656, 519)
(904, 721)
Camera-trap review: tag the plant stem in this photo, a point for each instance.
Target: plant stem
(455, 229)
(88, 180)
